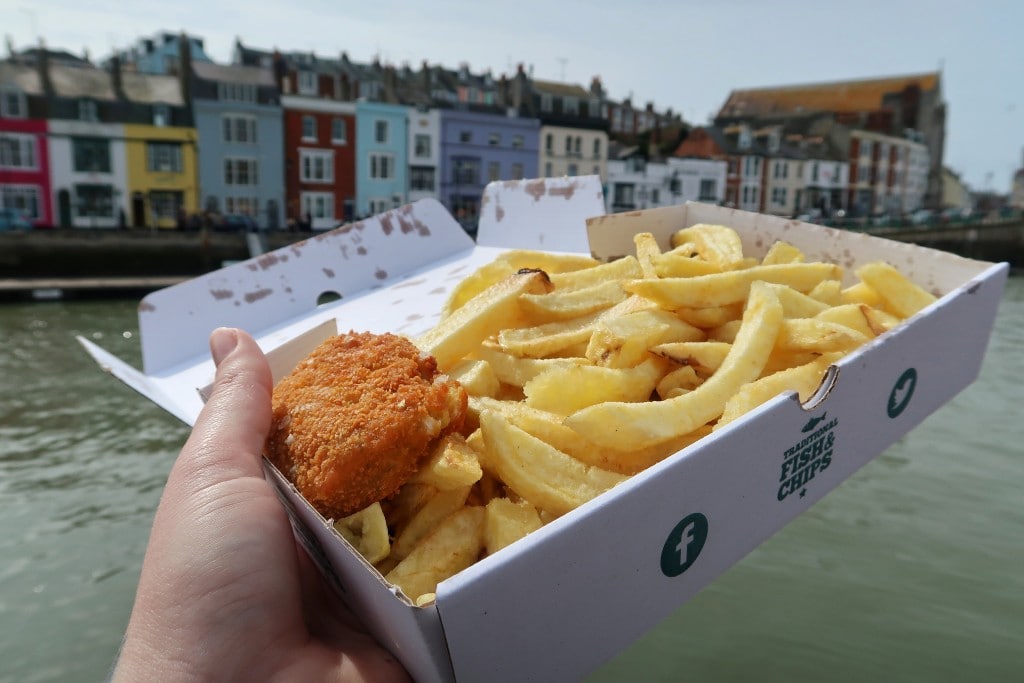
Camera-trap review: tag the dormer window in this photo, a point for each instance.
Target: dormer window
(773, 142)
(546, 103)
(87, 110)
(161, 115)
(12, 103)
(307, 83)
(744, 139)
(570, 105)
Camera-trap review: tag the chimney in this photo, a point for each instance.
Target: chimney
(425, 80)
(185, 76)
(115, 77)
(595, 87)
(390, 85)
(43, 67)
(280, 69)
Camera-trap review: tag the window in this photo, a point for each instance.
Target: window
(568, 145)
(751, 166)
(466, 171)
(597, 148)
(248, 206)
(570, 105)
(379, 205)
(549, 143)
(421, 179)
(578, 147)
(382, 166)
(545, 103)
(24, 198)
(380, 131)
(572, 170)
(517, 171)
(595, 109)
(316, 165)
(87, 110)
(339, 132)
(547, 170)
(733, 166)
(655, 196)
(838, 177)
(465, 136)
(163, 157)
(865, 148)
(494, 139)
(814, 172)
(517, 142)
(94, 200)
(307, 83)
(318, 205)
(236, 92)
(12, 104)
(239, 128)
(91, 155)
(708, 190)
(421, 146)
(240, 172)
(622, 195)
(17, 151)
(778, 196)
(493, 171)
(165, 204)
(309, 128)
(161, 115)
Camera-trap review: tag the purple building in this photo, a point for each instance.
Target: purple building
(478, 148)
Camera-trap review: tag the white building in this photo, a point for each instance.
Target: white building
(635, 184)
(424, 153)
(88, 171)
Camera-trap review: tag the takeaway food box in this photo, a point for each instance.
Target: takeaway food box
(558, 603)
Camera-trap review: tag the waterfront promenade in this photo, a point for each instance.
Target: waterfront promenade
(83, 263)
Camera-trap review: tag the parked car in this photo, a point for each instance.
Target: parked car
(13, 219)
(236, 222)
(922, 217)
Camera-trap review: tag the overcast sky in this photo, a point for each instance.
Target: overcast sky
(683, 54)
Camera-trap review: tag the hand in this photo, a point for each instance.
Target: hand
(225, 592)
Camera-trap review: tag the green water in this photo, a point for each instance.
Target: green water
(912, 570)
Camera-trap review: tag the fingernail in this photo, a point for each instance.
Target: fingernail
(223, 341)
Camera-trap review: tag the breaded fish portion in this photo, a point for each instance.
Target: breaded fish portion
(353, 421)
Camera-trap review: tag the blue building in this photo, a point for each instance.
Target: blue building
(161, 53)
(238, 114)
(382, 157)
(477, 148)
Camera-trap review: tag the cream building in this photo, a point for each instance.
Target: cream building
(566, 151)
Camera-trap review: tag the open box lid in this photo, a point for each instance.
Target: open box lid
(274, 296)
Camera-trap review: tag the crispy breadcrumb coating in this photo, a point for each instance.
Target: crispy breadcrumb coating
(353, 421)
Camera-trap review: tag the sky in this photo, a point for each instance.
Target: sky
(681, 54)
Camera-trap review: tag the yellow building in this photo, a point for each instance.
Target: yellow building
(162, 175)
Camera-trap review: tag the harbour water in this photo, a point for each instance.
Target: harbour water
(909, 571)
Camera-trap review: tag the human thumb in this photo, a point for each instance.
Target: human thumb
(227, 440)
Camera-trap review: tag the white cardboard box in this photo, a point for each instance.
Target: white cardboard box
(558, 603)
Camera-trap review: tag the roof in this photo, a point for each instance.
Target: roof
(151, 88)
(77, 81)
(835, 96)
(562, 89)
(245, 75)
(23, 76)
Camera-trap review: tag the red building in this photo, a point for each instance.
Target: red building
(319, 160)
(25, 169)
